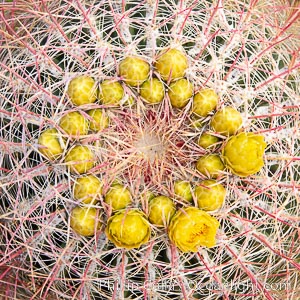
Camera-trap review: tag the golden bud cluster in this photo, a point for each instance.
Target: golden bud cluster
(184, 215)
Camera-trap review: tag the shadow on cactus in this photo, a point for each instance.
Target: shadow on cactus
(149, 150)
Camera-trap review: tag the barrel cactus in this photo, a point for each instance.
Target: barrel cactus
(112, 90)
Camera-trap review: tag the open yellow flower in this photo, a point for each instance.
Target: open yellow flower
(128, 229)
(243, 153)
(191, 228)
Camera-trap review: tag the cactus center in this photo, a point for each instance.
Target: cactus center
(150, 145)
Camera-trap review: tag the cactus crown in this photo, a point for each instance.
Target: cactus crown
(245, 51)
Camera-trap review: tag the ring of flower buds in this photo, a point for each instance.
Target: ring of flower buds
(190, 227)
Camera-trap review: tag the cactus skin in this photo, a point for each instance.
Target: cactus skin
(247, 51)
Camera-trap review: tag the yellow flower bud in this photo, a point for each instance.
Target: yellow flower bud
(210, 195)
(227, 121)
(74, 123)
(80, 159)
(99, 120)
(161, 210)
(180, 92)
(204, 102)
(82, 90)
(243, 153)
(210, 165)
(111, 92)
(49, 144)
(207, 140)
(171, 64)
(152, 91)
(183, 190)
(128, 229)
(87, 189)
(118, 197)
(84, 220)
(134, 70)
(191, 228)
